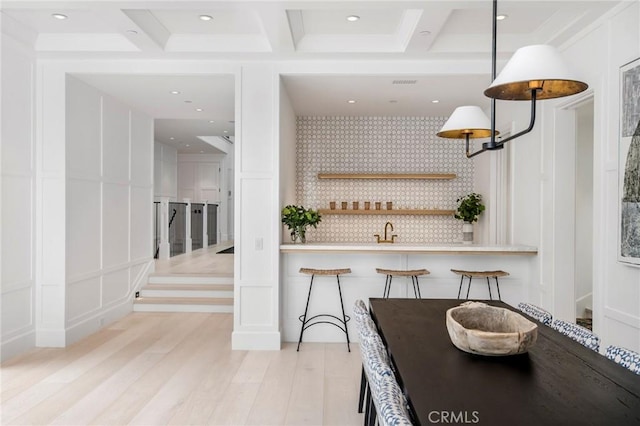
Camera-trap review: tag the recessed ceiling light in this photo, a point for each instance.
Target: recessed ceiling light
(351, 101)
(224, 131)
(211, 121)
(132, 32)
(201, 152)
(175, 92)
(435, 101)
(187, 145)
(187, 102)
(393, 101)
(425, 33)
(172, 138)
(199, 109)
(206, 17)
(501, 17)
(352, 18)
(59, 16)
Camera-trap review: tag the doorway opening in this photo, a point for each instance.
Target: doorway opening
(583, 230)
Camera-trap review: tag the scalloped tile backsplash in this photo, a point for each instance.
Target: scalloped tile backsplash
(380, 145)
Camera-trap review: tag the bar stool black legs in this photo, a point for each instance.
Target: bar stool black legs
(480, 274)
(334, 320)
(411, 273)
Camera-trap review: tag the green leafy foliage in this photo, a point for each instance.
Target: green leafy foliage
(470, 207)
(297, 216)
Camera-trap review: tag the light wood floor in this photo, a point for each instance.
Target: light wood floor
(204, 261)
(179, 369)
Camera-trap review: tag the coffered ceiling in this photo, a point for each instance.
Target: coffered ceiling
(302, 30)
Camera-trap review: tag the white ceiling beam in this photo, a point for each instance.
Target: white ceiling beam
(275, 28)
(153, 35)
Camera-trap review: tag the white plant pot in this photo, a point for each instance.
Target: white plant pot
(467, 233)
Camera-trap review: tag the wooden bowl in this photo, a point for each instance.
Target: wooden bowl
(478, 328)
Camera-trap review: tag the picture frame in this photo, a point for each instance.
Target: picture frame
(629, 164)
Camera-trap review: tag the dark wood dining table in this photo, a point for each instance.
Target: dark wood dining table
(557, 382)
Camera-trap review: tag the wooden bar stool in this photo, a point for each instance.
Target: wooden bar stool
(413, 273)
(341, 323)
(480, 274)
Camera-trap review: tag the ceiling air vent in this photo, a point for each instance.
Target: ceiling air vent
(404, 81)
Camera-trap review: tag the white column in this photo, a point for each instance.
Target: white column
(165, 249)
(205, 231)
(50, 209)
(188, 241)
(257, 256)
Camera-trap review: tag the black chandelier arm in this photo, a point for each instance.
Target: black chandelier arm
(495, 145)
(532, 121)
(469, 154)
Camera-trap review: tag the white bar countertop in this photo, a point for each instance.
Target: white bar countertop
(426, 248)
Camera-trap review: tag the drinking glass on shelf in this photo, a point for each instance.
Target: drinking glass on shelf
(389, 205)
(378, 205)
(344, 205)
(332, 205)
(367, 205)
(356, 205)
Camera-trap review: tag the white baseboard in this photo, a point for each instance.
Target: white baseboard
(256, 341)
(17, 345)
(99, 320)
(50, 338)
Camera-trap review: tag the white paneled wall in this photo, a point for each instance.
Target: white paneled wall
(616, 290)
(165, 171)
(199, 177)
(203, 178)
(17, 157)
(109, 205)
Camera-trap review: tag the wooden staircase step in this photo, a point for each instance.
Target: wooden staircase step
(187, 290)
(183, 304)
(175, 279)
(185, 300)
(190, 287)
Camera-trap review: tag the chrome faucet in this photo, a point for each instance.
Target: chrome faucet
(385, 240)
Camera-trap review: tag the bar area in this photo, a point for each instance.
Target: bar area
(387, 189)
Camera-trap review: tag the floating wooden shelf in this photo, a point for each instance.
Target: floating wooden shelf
(389, 212)
(433, 176)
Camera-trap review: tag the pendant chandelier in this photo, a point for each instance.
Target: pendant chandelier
(533, 73)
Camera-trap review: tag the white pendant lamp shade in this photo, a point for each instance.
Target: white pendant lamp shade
(535, 66)
(466, 120)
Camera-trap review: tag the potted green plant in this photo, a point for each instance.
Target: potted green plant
(297, 219)
(469, 208)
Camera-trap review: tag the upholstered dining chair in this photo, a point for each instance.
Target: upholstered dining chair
(366, 328)
(624, 357)
(579, 334)
(365, 324)
(536, 312)
(393, 407)
(377, 371)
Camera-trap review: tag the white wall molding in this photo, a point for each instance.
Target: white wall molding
(99, 272)
(622, 317)
(17, 344)
(95, 322)
(256, 340)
